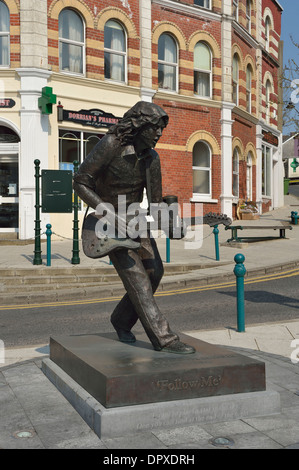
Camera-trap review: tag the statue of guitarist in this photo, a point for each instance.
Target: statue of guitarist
(118, 165)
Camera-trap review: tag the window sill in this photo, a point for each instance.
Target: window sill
(203, 199)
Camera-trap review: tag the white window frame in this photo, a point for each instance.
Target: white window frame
(268, 90)
(171, 64)
(75, 43)
(201, 196)
(236, 172)
(207, 4)
(249, 176)
(236, 10)
(236, 82)
(267, 32)
(119, 53)
(248, 90)
(70, 134)
(6, 34)
(266, 178)
(248, 15)
(206, 72)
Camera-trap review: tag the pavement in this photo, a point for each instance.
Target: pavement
(35, 415)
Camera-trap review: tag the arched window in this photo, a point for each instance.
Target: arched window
(249, 176)
(4, 35)
(267, 32)
(115, 51)
(201, 169)
(235, 77)
(248, 16)
(71, 42)
(202, 70)
(268, 100)
(248, 88)
(167, 63)
(236, 173)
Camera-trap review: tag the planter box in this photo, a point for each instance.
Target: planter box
(249, 216)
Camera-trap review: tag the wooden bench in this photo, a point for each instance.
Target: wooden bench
(234, 231)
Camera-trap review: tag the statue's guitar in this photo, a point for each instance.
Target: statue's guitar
(95, 247)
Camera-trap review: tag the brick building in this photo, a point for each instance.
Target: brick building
(212, 65)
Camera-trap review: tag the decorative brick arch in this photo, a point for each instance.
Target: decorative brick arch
(117, 14)
(249, 61)
(206, 137)
(208, 39)
(268, 12)
(268, 76)
(167, 27)
(237, 143)
(237, 50)
(250, 148)
(58, 5)
(13, 6)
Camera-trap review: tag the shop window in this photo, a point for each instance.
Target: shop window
(71, 42)
(203, 3)
(248, 88)
(202, 70)
(4, 35)
(75, 145)
(201, 167)
(167, 63)
(236, 173)
(235, 79)
(248, 15)
(115, 51)
(236, 10)
(266, 171)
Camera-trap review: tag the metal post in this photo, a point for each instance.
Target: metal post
(216, 232)
(37, 242)
(167, 250)
(75, 258)
(48, 233)
(240, 272)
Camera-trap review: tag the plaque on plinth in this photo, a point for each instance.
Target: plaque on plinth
(118, 374)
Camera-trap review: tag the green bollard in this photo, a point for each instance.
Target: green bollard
(37, 242)
(75, 257)
(216, 232)
(48, 233)
(167, 250)
(240, 272)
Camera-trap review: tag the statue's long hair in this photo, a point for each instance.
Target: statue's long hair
(140, 115)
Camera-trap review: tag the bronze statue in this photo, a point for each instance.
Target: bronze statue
(117, 166)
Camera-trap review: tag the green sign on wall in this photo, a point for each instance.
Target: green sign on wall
(57, 191)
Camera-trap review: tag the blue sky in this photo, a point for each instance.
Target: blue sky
(290, 26)
(290, 18)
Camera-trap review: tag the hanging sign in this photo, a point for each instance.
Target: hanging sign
(88, 117)
(7, 103)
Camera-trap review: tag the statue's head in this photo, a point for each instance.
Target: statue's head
(141, 117)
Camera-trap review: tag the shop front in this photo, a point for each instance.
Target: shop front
(9, 180)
